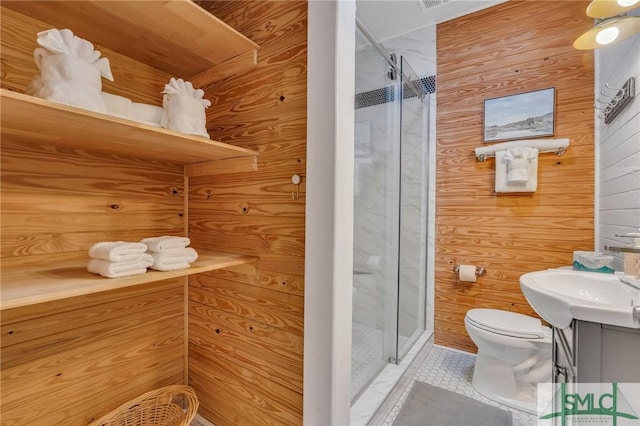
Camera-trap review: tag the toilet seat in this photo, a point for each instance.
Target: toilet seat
(506, 323)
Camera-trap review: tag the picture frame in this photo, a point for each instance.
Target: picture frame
(526, 115)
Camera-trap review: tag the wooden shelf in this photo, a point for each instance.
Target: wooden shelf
(176, 36)
(66, 276)
(32, 120)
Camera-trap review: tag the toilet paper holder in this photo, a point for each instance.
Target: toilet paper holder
(480, 270)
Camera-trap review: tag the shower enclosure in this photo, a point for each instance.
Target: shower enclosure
(390, 210)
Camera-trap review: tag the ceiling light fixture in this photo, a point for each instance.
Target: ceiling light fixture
(611, 23)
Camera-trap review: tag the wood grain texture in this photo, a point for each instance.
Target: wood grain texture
(279, 404)
(45, 278)
(234, 337)
(76, 360)
(71, 127)
(71, 178)
(257, 348)
(277, 309)
(132, 79)
(62, 201)
(228, 165)
(514, 47)
(232, 66)
(188, 41)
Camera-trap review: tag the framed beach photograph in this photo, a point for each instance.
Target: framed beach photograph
(521, 116)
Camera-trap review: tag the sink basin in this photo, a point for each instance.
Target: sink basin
(559, 296)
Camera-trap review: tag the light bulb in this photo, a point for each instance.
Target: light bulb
(609, 8)
(607, 35)
(627, 3)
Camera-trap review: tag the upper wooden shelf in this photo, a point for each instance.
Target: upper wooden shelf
(32, 120)
(65, 276)
(176, 36)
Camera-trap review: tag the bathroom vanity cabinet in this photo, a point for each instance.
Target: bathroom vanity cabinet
(588, 352)
(75, 345)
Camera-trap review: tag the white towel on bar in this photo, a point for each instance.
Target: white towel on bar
(119, 269)
(519, 164)
(117, 251)
(170, 260)
(510, 183)
(164, 243)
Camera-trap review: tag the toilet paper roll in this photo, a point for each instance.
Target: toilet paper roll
(467, 273)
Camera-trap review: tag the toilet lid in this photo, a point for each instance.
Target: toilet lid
(505, 322)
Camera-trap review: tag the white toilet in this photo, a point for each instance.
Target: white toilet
(514, 355)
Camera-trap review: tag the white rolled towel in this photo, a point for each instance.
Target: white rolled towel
(164, 243)
(117, 105)
(144, 113)
(117, 251)
(119, 269)
(171, 260)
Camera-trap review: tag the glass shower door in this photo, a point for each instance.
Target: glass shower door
(390, 210)
(376, 172)
(413, 203)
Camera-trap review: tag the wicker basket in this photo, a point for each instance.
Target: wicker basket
(162, 406)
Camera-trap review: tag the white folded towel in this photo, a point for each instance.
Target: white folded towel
(120, 106)
(173, 259)
(117, 251)
(518, 164)
(117, 105)
(164, 243)
(505, 184)
(119, 269)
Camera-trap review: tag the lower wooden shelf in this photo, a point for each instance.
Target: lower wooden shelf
(66, 276)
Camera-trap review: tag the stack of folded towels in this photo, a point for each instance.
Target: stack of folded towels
(113, 259)
(170, 253)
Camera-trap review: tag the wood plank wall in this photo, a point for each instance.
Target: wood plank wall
(69, 362)
(66, 362)
(246, 331)
(132, 79)
(511, 48)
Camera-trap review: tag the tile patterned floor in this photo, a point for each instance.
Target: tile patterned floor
(366, 356)
(452, 370)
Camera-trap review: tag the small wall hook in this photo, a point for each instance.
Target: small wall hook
(295, 179)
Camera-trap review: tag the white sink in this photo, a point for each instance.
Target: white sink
(559, 296)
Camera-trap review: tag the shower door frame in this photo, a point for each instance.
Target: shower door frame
(390, 346)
